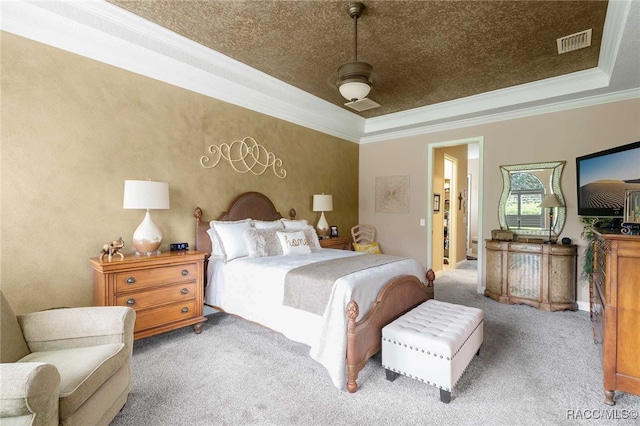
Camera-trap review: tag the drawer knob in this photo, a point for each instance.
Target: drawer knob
(131, 280)
(185, 272)
(131, 302)
(184, 291)
(185, 310)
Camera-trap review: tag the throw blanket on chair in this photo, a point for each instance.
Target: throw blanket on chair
(309, 287)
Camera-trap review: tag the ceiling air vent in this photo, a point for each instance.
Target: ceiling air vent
(362, 105)
(574, 41)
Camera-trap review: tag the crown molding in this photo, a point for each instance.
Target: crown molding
(511, 96)
(509, 115)
(129, 42)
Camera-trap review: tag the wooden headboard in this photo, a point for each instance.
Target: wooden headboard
(252, 205)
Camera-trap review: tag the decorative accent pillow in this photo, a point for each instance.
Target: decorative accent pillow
(294, 224)
(372, 248)
(268, 224)
(262, 242)
(293, 243)
(231, 237)
(312, 237)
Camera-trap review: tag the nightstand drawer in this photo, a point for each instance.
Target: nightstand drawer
(132, 280)
(340, 243)
(159, 296)
(149, 318)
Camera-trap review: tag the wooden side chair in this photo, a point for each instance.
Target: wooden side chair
(364, 239)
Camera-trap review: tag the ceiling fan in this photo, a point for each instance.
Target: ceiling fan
(354, 78)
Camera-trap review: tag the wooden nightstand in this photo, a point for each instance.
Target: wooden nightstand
(166, 290)
(340, 243)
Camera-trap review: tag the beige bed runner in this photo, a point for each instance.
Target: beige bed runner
(309, 287)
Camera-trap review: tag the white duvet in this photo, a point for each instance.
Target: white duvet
(253, 288)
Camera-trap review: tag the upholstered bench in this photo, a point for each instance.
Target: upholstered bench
(433, 343)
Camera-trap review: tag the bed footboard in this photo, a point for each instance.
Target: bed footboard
(397, 297)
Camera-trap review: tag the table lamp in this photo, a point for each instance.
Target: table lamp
(146, 195)
(322, 203)
(549, 202)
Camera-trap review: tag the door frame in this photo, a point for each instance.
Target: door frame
(430, 154)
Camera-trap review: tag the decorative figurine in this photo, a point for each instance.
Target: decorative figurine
(112, 249)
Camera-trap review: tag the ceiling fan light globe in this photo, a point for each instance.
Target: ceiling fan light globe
(354, 90)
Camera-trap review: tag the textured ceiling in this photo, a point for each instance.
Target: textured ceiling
(422, 52)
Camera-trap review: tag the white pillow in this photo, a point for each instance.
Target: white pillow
(216, 247)
(231, 235)
(293, 243)
(268, 224)
(294, 224)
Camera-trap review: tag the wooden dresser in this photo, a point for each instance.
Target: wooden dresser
(341, 243)
(166, 290)
(540, 275)
(615, 311)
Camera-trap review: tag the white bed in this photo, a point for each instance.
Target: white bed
(343, 337)
(253, 288)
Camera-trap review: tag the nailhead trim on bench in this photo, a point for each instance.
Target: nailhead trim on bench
(434, 354)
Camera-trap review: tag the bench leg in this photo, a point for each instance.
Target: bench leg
(445, 396)
(391, 375)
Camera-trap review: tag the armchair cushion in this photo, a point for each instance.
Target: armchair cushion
(372, 248)
(77, 327)
(82, 370)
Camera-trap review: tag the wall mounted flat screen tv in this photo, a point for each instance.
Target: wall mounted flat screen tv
(603, 177)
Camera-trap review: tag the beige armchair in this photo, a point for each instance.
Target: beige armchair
(64, 366)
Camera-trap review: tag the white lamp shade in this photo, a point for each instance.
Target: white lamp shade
(354, 90)
(322, 203)
(146, 194)
(550, 201)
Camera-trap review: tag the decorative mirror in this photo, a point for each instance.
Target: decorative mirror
(523, 191)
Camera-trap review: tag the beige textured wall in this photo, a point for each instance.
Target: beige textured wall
(74, 129)
(548, 137)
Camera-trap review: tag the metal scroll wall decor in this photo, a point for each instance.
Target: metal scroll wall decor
(244, 156)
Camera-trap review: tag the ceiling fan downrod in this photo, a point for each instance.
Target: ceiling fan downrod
(354, 77)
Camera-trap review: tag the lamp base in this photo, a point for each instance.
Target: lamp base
(146, 249)
(322, 228)
(147, 237)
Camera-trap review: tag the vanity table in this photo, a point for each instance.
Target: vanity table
(539, 275)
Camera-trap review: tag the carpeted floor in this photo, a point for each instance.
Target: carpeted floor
(534, 368)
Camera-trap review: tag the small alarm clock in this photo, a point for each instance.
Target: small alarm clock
(566, 241)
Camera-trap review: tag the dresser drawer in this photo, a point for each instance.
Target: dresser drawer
(149, 318)
(133, 280)
(158, 296)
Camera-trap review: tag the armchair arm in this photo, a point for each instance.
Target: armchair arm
(77, 327)
(29, 391)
